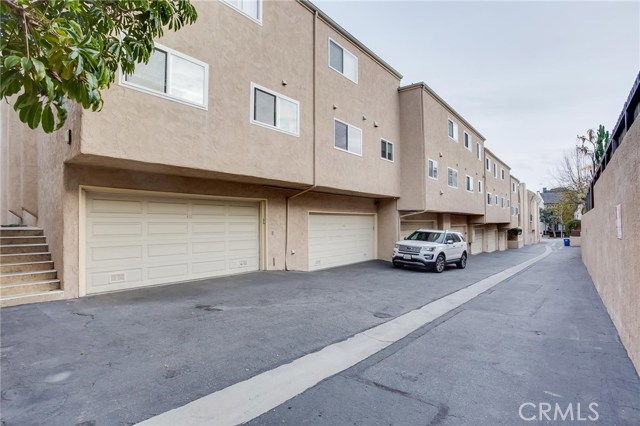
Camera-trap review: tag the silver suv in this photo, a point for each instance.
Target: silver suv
(432, 249)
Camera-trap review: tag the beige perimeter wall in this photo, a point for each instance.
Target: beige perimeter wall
(612, 262)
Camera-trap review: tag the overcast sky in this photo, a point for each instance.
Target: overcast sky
(529, 76)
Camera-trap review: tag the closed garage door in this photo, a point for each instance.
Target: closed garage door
(336, 240)
(407, 226)
(491, 237)
(502, 240)
(476, 246)
(135, 241)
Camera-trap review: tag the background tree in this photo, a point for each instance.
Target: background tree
(550, 219)
(592, 145)
(55, 50)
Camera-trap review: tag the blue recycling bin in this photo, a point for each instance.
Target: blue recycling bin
(567, 242)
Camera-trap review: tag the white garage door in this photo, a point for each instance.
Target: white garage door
(502, 240)
(491, 237)
(476, 246)
(408, 226)
(336, 239)
(136, 241)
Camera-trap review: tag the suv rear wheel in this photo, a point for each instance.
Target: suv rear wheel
(440, 263)
(462, 263)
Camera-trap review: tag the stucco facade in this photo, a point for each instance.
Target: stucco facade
(610, 236)
(143, 144)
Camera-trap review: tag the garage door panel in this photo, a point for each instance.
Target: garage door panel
(170, 240)
(165, 208)
(336, 240)
(98, 205)
(175, 249)
(167, 228)
(116, 229)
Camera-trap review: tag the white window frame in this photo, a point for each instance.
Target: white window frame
(501, 173)
(495, 170)
(344, 51)
(393, 149)
(496, 199)
(278, 96)
(348, 125)
(257, 20)
(435, 167)
(502, 202)
(487, 164)
(489, 199)
(456, 131)
(480, 187)
(466, 137)
(170, 54)
(513, 187)
(468, 183)
(478, 151)
(454, 170)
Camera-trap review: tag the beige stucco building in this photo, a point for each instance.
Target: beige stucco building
(197, 167)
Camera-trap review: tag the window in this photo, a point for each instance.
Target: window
(454, 237)
(467, 141)
(452, 129)
(452, 177)
(508, 203)
(386, 150)
(496, 200)
(488, 198)
(274, 110)
(495, 170)
(469, 182)
(479, 187)
(502, 202)
(502, 173)
(487, 163)
(171, 75)
(433, 169)
(251, 8)
(478, 155)
(347, 137)
(343, 61)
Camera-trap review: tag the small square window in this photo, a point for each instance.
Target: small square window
(347, 137)
(343, 61)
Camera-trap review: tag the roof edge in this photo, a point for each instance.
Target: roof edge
(498, 158)
(444, 103)
(350, 37)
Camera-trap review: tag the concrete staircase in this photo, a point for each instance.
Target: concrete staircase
(26, 269)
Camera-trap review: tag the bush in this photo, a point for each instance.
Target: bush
(572, 225)
(514, 232)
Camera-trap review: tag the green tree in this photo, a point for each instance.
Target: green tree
(56, 50)
(550, 218)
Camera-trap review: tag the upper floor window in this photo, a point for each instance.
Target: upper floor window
(495, 170)
(171, 75)
(488, 198)
(502, 202)
(513, 186)
(386, 150)
(251, 8)
(467, 141)
(502, 173)
(347, 137)
(452, 177)
(452, 129)
(487, 163)
(469, 183)
(433, 169)
(480, 187)
(508, 202)
(343, 61)
(274, 110)
(478, 155)
(496, 200)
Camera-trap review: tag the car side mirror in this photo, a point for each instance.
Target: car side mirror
(449, 241)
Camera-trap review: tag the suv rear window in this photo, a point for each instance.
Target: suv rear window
(432, 237)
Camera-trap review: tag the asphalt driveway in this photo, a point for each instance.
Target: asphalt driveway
(124, 357)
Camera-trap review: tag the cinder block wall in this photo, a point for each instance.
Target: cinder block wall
(612, 262)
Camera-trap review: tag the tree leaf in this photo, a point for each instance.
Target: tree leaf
(11, 61)
(47, 119)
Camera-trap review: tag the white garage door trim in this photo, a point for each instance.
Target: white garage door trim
(331, 246)
(229, 216)
(477, 245)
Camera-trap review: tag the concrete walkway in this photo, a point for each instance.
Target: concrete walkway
(126, 357)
